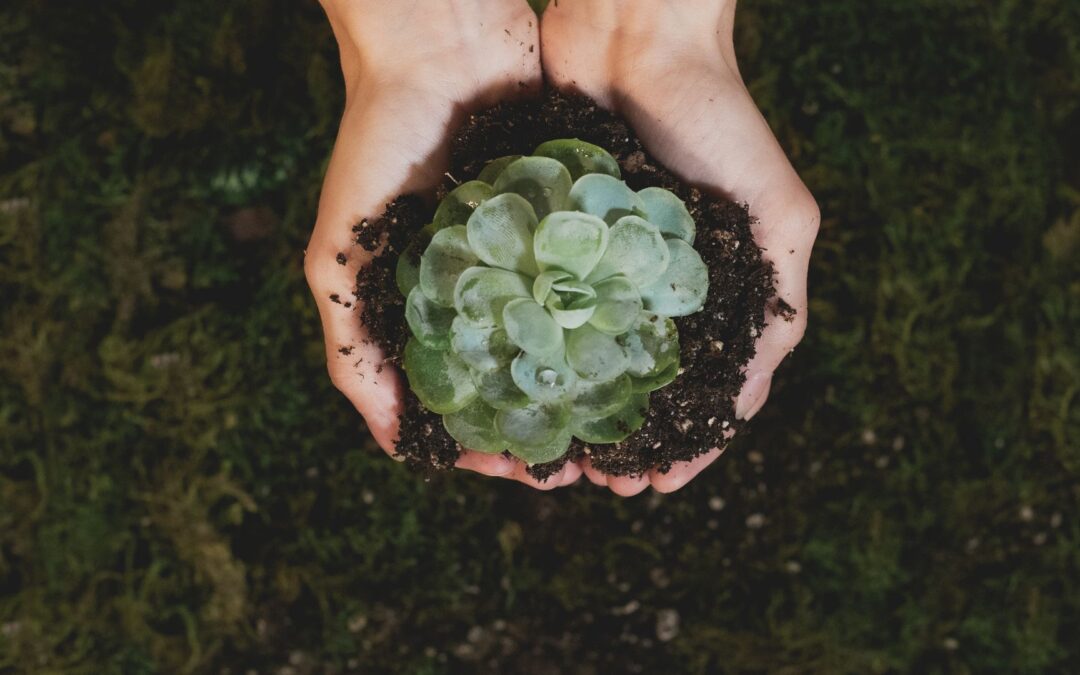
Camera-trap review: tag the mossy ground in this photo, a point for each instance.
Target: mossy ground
(181, 490)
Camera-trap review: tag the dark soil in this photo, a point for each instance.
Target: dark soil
(685, 419)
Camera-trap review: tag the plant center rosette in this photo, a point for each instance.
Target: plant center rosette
(540, 308)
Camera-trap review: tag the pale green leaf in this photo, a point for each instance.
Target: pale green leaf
(652, 343)
(635, 250)
(438, 378)
(498, 390)
(542, 454)
(580, 157)
(574, 315)
(482, 293)
(669, 213)
(533, 426)
(615, 427)
(604, 196)
(682, 288)
(429, 322)
(543, 181)
(656, 380)
(595, 355)
(600, 399)
(530, 326)
(457, 206)
(474, 428)
(571, 242)
(482, 348)
(500, 233)
(617, 305)
(543, 283)
(446, 258)
(543, 378)
(490, 172)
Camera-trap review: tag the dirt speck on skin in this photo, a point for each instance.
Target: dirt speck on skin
(715, 343)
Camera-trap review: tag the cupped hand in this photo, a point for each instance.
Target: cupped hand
(412, 69)
(669, 67)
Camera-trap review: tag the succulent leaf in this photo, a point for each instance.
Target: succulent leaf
(457, 206)
(606, 197)
(428, 321)
(580, 157)
(482, 293)
(500, 233)
(498, 390)
(533, 426)
(571, 242)
(438, 378)
(595, 355)
(446, 258)
(653, 345)
(532, 327)
(543, 181)
(491, 171)
(481, 348)
(635, 250)
(617, 426)
(617, 305)
(544, 379)
(548, 452)
(657, 381)
(543, 283)
(668, 213)
(681, 289)
(474, 427)
(593, 400)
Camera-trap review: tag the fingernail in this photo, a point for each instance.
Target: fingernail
(753, 396)
(503, 466)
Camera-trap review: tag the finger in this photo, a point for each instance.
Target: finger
(595, 476)
(572, 474)
(521, 475)
(489, 465)
(682, 473)
(628, 486)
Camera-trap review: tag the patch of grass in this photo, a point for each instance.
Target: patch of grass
(181, 490)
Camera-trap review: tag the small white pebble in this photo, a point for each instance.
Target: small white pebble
(755, 521)
(725, 425)
(1027, 514)
(950, 644)
(869, 437)
(755, 457)
(712, 421)
(898, 443)
(368, 497)
(656, 445)
(1039, 539)
(717, 503)
(1055, 520)
(667, 625)
(792, 567)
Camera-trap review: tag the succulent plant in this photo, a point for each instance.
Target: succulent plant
(541, 307)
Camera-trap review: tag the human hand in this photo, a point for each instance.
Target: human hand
(669, 67)
(411, 72)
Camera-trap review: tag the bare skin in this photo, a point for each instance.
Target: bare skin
(402, 104)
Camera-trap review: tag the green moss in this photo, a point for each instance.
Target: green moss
(181, 490)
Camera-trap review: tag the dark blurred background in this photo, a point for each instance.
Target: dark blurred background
(181, 489)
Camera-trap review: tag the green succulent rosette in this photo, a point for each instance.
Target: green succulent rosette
(541, 307)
